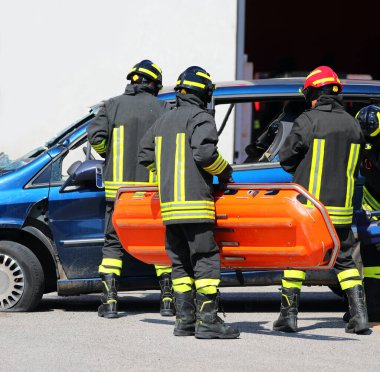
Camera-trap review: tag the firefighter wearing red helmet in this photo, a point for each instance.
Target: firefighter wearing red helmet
(323, 153)
(114, 134)
(369, 119)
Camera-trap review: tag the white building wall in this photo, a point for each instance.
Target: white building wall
(57, 58)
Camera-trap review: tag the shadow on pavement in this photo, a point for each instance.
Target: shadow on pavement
(258, 328)
(237, 302)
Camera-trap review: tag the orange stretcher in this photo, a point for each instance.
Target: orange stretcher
(258, 226)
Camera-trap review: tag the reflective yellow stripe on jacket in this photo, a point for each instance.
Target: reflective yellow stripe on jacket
(316, 167)
(179, 168)
(118, 153)
(340, 215)
(197, 209)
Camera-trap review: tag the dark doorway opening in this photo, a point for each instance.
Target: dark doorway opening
(293, 37)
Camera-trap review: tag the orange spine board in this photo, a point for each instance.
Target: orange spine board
(258, 226)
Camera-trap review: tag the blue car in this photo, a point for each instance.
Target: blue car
(52, 199)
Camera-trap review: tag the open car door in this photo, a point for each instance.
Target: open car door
(258, 226)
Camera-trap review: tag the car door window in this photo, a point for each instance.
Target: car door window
(253, 127)
(66, 164)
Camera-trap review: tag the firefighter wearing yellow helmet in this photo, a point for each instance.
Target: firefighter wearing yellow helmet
(182, 147)
(114, 134)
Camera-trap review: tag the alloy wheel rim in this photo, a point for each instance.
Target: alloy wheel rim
(11, 282)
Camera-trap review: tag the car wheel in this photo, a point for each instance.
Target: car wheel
(21, 278)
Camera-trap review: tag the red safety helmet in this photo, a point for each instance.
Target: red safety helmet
(320, 77)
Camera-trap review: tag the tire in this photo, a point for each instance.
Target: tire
(21, 278)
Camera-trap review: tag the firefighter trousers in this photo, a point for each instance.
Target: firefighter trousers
(193, 251)
(370, 255)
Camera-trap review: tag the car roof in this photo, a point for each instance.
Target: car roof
(286, 86)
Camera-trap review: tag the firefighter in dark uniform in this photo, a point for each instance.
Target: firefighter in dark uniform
(182, 147)
(369, 119)
(323, 154)
(115, 134)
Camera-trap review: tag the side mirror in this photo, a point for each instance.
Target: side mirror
(88, 175)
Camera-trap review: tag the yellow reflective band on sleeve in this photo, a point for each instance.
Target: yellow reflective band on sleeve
(351, 166)
(370, 200)
(377, 131)
(183, 284)
(324, 80)
(179, 168)
(291, 284)
(101, 147)
(193, 83)
(106, 270)
(294, 274)
(350, 284)
(162, 269)
(148, 72)
(201, 283)
(203, 75)
(348, 274)
(316, 168)
(217, 167)
(157, 68)
(112, 262)
(372, 272)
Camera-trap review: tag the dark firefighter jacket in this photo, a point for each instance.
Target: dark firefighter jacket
(116, 131)
(182, 147)
(370, 169)
(323, 153)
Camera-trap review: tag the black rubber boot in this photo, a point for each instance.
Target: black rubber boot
(358, 322)
(372, 296)
(287, 321)
(208, 324)
(108, 308)
(185, 313)
(346, 315)
(166, 301)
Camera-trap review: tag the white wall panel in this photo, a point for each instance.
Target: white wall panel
(57, 58)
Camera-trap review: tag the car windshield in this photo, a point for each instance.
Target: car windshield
(65, 132)
(7, 165)
(11, 165)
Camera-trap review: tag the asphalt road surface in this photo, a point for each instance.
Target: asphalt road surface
(65, 334)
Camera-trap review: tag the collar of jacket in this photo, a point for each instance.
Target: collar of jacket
(189, 99)
(329, 102)
(133, 89)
